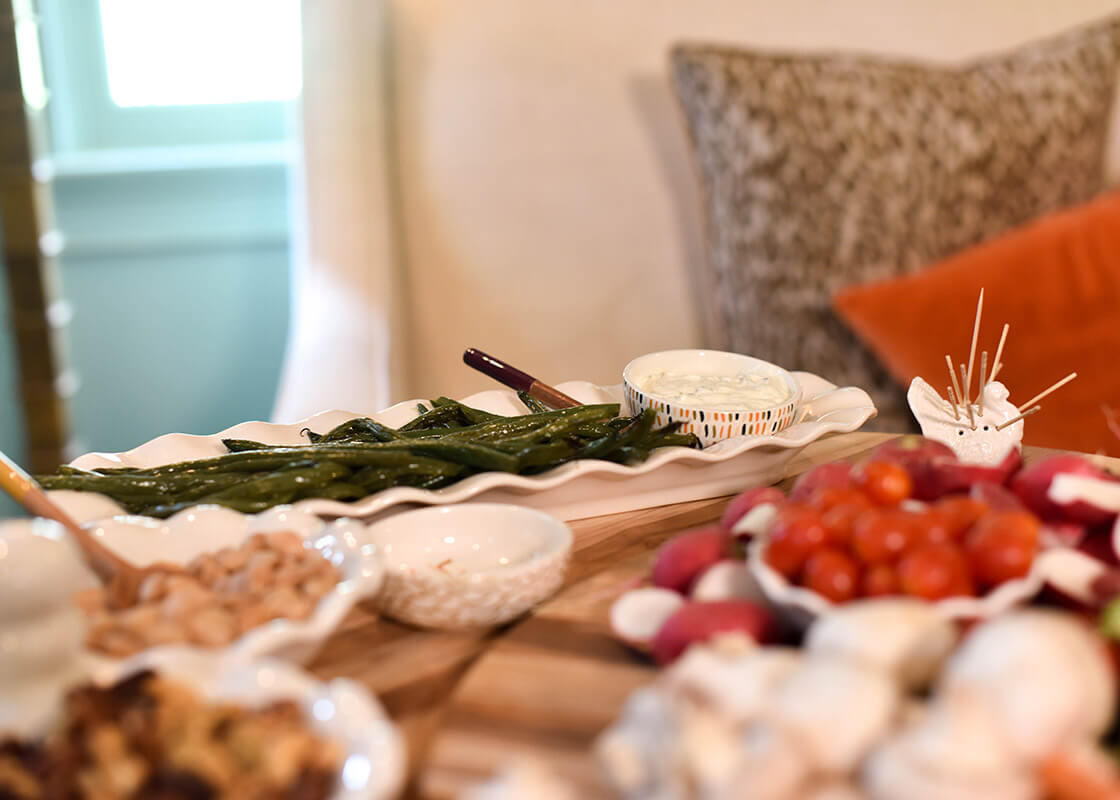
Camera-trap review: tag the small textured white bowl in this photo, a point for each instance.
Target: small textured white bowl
(204, 529)
(373, 766)
(710, 425)
(802, 605)
(469, 566)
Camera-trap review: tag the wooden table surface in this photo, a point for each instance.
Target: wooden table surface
(543, 686)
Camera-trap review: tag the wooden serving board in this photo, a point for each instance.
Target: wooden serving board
(543, 687)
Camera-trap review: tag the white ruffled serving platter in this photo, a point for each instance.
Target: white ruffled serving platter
(575, 490)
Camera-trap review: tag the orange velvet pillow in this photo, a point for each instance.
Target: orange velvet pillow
(1056, 281)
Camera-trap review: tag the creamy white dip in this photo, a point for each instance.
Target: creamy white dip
(749, 391)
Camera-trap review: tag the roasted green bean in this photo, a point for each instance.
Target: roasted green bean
(444, 444)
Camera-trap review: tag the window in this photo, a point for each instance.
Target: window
(200, 53)
(131, 74)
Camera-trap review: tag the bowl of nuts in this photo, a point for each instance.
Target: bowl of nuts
(275, 584)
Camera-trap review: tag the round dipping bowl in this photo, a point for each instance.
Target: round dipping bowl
(710, 425)
(469, 566)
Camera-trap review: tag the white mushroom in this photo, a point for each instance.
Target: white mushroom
(838, 710)
(906, 638)
(738, 685)
(639, 753)
(1044, 675)
(771, 765)
(955, 752)
(891, 775)
(709, 748)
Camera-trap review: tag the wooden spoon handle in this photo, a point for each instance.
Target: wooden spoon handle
(27, 492)
(514, 378)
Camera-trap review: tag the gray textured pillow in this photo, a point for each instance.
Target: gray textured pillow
(823, 171)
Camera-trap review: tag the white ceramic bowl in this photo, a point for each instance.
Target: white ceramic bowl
(710, 425)
(203, 529)
(802, 605)
(469, 566)
(374, 762)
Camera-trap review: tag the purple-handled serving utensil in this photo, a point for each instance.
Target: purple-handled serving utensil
(514, 378)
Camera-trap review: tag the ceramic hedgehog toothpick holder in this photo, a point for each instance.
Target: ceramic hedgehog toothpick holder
(975, 441)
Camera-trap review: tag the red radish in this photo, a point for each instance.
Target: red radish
(1106, 586)
(833, 475)
(748, 500)
(698, 622)
(918, 456)
(638, 615)
(681, 559)
(1032, 485)
(727, 580)
(951, 475)
(1098, 544)
(935, 469)
(995, 497)
(1063, 534)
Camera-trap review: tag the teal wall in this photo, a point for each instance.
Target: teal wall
(179, 283)
(11, 417)
(183, 342)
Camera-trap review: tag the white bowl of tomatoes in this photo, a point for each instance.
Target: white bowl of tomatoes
(847, 532)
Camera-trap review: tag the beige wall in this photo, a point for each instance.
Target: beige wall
(546, 206)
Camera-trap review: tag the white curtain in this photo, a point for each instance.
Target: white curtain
(346, 326)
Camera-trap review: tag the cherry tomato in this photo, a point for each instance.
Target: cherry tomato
(840, 520)
(832, 496)
(961, 512)
(932, 526)
(880, 580)
(882, 536)
(934, 572)
(796, 534)
(887, 484)
(1001, 546)
(832, 573)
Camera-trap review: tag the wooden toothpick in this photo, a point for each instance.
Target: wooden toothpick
(972, 349)
(1047, 392)
(953, 402)
(968, 404)
(983, 380)
(996, 363)
(953, 378)
(1015, 419)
